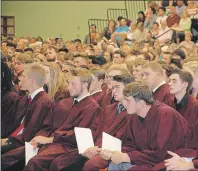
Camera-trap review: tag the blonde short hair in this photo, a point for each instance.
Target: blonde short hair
(120, 67)
(138, 62)
(37, 72)
(193, 65)
(84, 74)
(24, 58)
(154, 66)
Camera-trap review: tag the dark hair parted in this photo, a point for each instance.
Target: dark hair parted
(124, 78)
(139, 90)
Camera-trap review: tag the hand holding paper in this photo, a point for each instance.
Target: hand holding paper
(84, 139)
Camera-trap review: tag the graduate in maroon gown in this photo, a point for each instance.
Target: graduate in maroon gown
(31, 110)
(154, 129)
(108, 97)
(153, 75)
(187, 105)
(9, 98)
(98, 76)
(113, 120)
(57, 135)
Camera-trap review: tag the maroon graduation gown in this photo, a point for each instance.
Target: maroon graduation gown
(163, 129)
(163, 95)
(60, 124)
(112, 124)
(9, 102)
(107, 99)
(190, 110)
(34, 113)
(98, 96)
(61, 94)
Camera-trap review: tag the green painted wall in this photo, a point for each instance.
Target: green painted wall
(56, 18)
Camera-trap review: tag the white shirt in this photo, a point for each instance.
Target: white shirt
(162, 83)
(96, 92)
(32, 95)
(161, 18)
(167, 35)
(79, 99)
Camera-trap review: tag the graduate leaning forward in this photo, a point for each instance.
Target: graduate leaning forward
(114, 120)
(31, 110)
(57, 135)
(154, 129)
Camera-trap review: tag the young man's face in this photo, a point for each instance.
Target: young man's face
(176, 84)
(10, 52)
(75, 86)
(118, 59)
(94, 84)
(137, 72)
(51, 55)
(18, 66)
(150, 77)
(25, 82)
(109, 77)
(78, 61)
(166, 58)
(130, 104)
(117, 91)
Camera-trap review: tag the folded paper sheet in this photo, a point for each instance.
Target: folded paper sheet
(29, 152)
(111, 143)
(84, 139)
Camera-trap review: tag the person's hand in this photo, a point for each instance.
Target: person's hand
(36, 141)
(119, 157)
(177, 163)
(90, 152)
(3, 141)
(105, 154)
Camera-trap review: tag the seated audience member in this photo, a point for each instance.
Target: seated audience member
(17, 52)
(80, 59)
(31, 110)
(56, 82)
(110, 73)
(57, 139)
(52, 54)
(190, 45)
(21, 44)
(161, 15)
(155, 30)
(137, 69)
(165, 34)
(191, 8)
(62, 53)
(98, 76)
(150, 18)
(152, 129)
(108, 31)
(173, 19)
(180, 7)
(132, 34)
(192, 67)
(177, 57)
(9, 98)
(112, 116)
(93, 36)
(153, 75)
(45, 46)
(167, 70)
(142, 32)
(166, 57)
(29, 51)
(187, 105)
(141, 17)
(118, 57)
(39, 58)
(121, 31)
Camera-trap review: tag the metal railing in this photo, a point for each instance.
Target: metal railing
(133, 7)
(113, 14)
(173, 36)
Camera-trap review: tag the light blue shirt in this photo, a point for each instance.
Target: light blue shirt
(121, 29)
